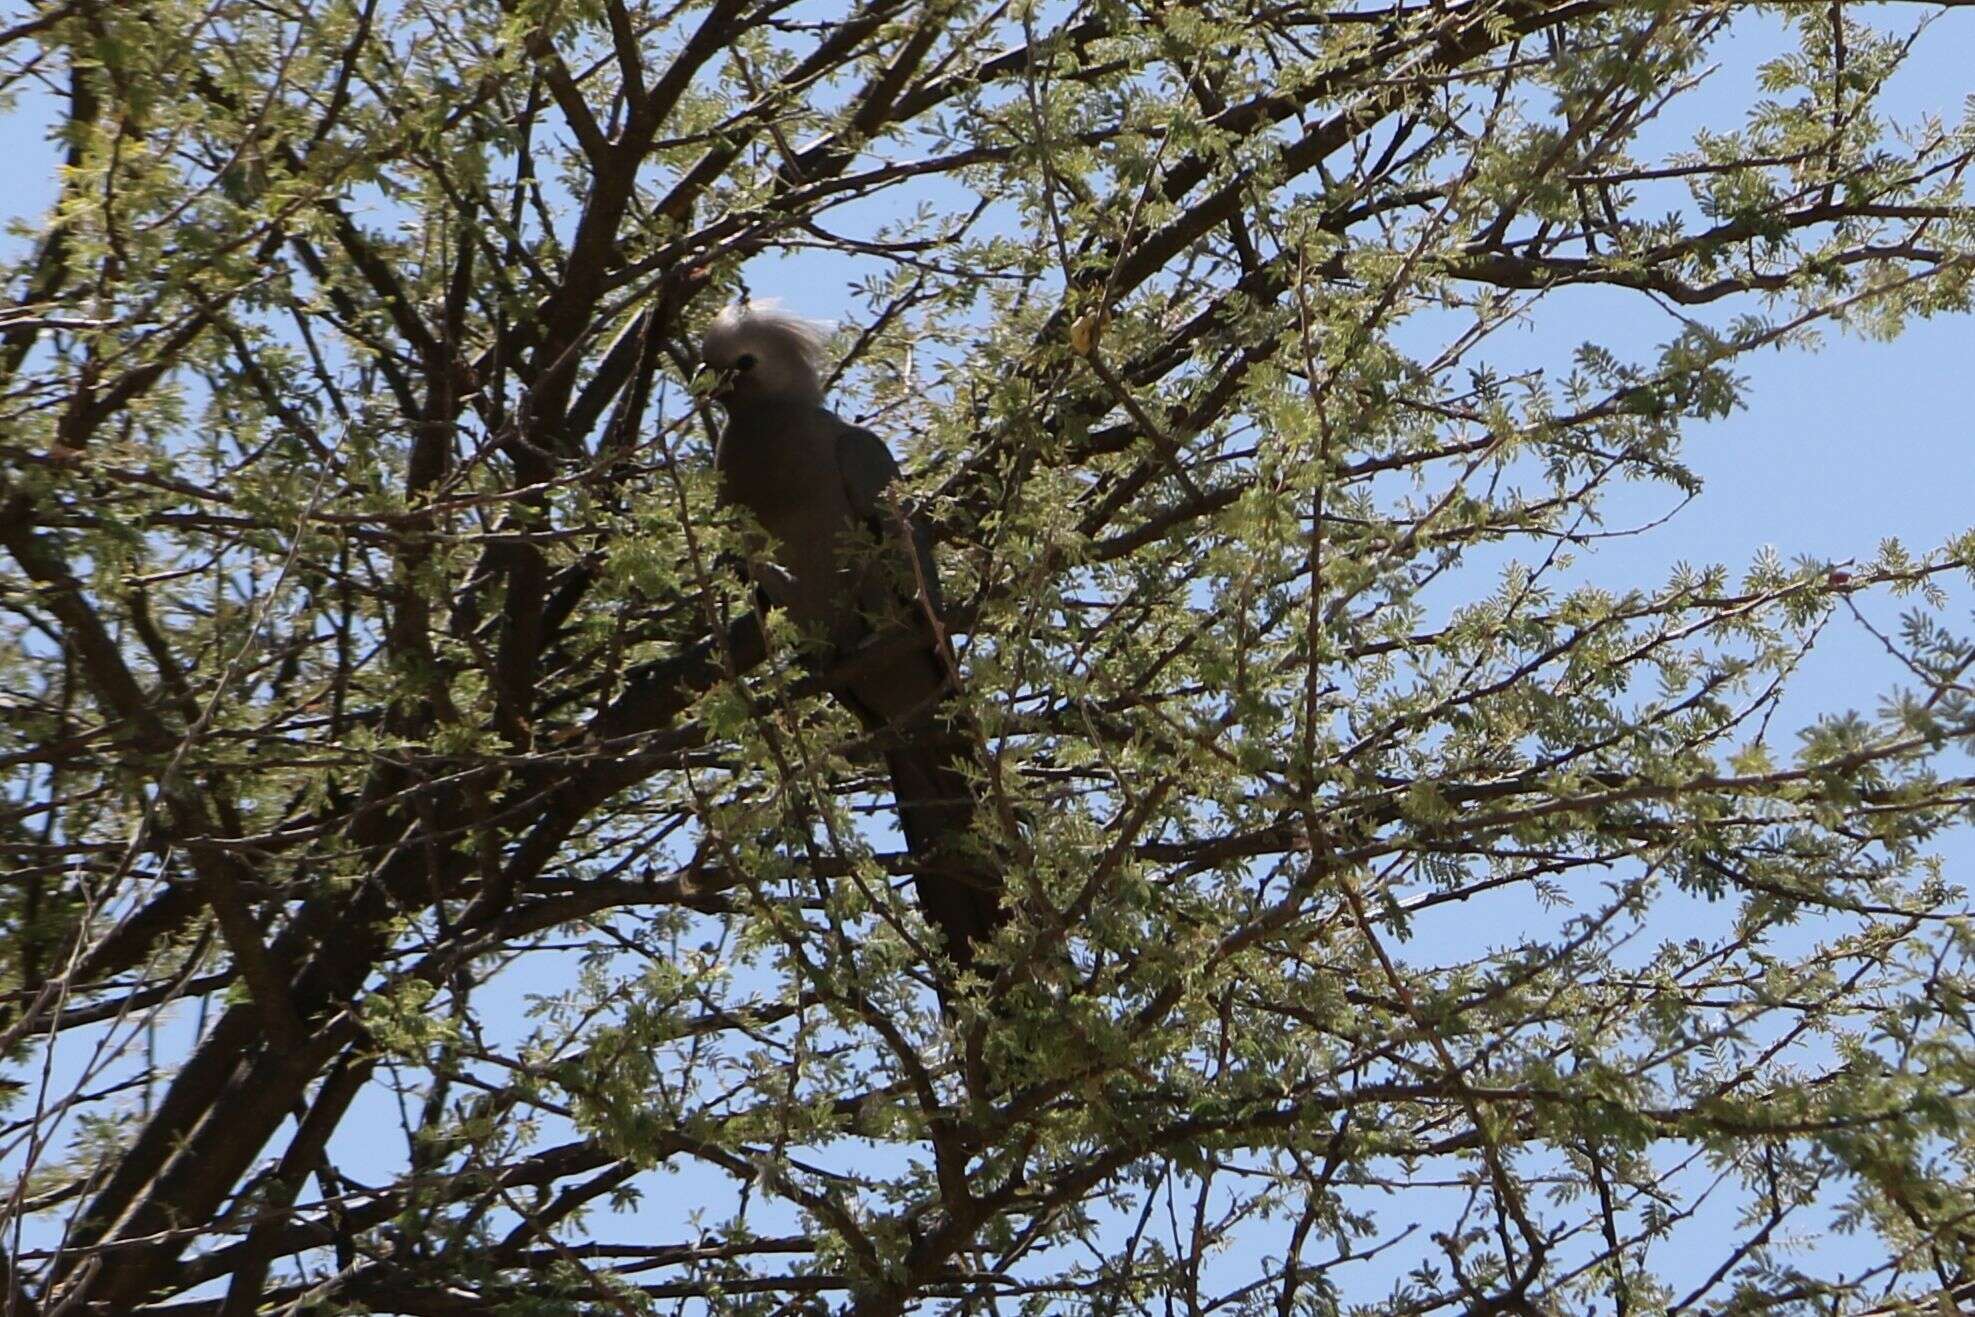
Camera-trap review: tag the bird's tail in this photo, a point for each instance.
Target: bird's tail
(958, 884)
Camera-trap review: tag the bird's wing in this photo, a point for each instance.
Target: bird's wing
(867, 467)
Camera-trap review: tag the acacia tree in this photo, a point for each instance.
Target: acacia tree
(433, 888)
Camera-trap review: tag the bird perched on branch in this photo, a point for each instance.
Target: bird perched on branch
(856, 575)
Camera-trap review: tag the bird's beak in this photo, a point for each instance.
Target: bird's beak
(714, 384)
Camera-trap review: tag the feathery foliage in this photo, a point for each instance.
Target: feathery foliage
(430, 889)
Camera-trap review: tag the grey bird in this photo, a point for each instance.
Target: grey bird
(852, 574)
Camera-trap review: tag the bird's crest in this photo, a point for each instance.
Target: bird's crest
(766, 330)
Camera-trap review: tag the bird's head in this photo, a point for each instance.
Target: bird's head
(758, 354)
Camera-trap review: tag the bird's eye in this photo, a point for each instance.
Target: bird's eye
(744, 362)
